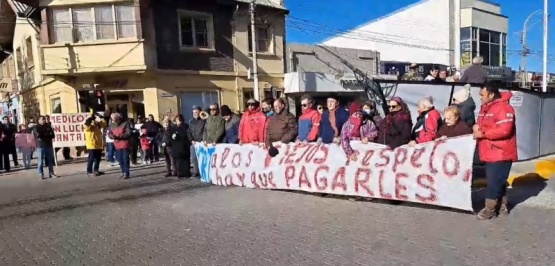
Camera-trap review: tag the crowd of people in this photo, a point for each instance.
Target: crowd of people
(264, 123)
(475, 74)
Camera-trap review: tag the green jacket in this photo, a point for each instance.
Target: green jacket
(214, 129)
(411, 75)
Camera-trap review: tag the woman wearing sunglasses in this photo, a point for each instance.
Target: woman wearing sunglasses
(395, 128)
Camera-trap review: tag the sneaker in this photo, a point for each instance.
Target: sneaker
(126, 177)
(51, 175)
(90, 174)
(42, 177)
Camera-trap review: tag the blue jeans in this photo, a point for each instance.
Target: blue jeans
(123, 158)
(111, 149)
(497, 174)
(45, 155)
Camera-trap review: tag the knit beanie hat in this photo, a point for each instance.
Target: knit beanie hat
(225, 111)
(354, 107)
(462, 94)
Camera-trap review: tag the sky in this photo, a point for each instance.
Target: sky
(312, 21)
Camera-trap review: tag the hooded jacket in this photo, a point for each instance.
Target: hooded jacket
(251, 127)
(498, 126)
(214, 129)
(426, 126)
(231, 135)
(309, 124)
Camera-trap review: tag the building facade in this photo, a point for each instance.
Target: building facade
(321, 71)
(149, 57)
(457, 31)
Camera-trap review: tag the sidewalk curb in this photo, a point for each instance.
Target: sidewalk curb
(543, 170)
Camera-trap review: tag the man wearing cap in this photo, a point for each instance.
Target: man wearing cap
(214, 128)
(412, 75)
(253, 122)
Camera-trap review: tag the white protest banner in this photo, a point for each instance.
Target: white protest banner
(69, 129)
(437, 173)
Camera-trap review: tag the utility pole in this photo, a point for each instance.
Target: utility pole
(545, 35)
(256, 90)
(525, 50)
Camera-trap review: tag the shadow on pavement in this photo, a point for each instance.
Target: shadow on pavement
(83, 192)
(123, 198)
(517, 195)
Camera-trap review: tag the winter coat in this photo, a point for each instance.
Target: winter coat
(214, 129)
(197, 128)
(309, 124)
(44, 134)
(467, 109)
(94, 139)
(181, 141)
(426, 126)
(395, 129)
(9, 132)
(121, 134)
(231, 135)
(152, 128)
(458, 129)
(326, 132)
(281, 127)
(475, 74)
(368, 130)
(251, 127)
(497, 123)
(167, 136)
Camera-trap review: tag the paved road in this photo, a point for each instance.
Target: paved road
(152, 220)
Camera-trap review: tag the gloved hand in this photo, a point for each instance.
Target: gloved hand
(174, 136)
(164, 144)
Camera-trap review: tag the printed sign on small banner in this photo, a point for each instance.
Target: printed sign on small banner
(69, 129)
(24, 140)
(436, 173)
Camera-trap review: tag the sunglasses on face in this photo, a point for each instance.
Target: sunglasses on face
(393, 106)
(304, 105)
(213, 109)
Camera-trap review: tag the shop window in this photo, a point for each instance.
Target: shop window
(465, 34)
(495, 37)
(495, 55)
(484, 52)
(202, 99)
(484, 35)
(89, 23)
(56, 105)
(196, 30)
(263, 39)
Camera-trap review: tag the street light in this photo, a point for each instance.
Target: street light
(525, 50)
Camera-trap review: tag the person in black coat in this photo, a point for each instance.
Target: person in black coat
(5, 147)
(181, 140)
(167, 133)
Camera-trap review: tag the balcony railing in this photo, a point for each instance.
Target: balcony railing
(93, 56)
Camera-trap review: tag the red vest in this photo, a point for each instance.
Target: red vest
(120, 144)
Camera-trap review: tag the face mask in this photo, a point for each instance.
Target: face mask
(367, 111)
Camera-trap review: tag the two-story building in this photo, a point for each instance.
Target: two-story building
(148, 56)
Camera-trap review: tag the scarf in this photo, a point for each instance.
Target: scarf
(333, 123)
(357, 123)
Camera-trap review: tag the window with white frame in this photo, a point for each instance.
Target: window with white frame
(263, 39)
(196, 30)
(89, 23)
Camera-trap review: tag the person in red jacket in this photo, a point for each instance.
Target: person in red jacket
(495, 133)
(309, 121)
(252, 125)
(427, 122)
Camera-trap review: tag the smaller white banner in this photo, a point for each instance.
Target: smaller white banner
(69, 129)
